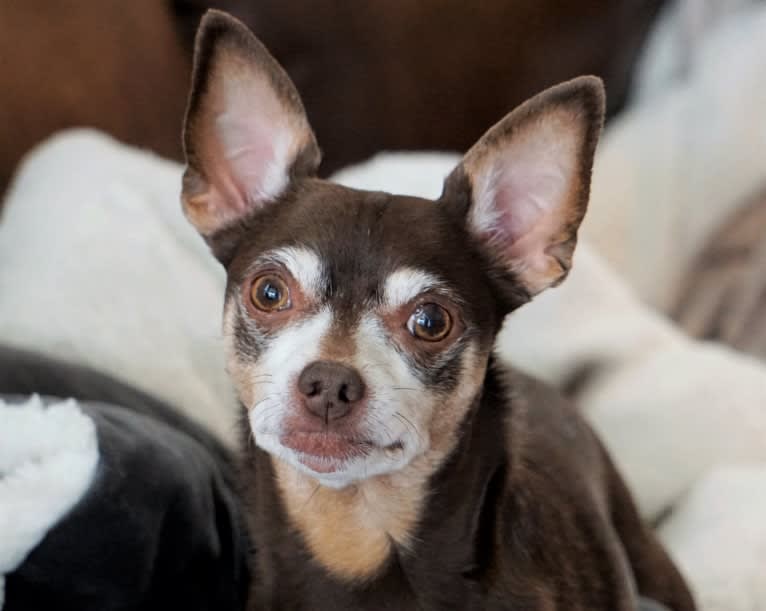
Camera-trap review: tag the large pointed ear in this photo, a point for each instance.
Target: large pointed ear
(246, 135)
(524, 186)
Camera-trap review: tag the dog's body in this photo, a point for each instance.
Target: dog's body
(394, 465)
(528, 513)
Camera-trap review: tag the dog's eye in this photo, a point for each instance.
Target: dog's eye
(270, 293)
(430, 322)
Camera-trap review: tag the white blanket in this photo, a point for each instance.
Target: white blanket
(99, 267)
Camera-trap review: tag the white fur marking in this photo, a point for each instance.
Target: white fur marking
(395, 415)
(405, 284)
(304, 265)
(287, 355)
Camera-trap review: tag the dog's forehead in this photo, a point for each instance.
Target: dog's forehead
(360, 242)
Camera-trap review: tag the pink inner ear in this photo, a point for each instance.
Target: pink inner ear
(519, 201)
(523, 196)
(255, 151)
(249, 143)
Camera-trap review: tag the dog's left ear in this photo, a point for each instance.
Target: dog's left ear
(524, 186)
(246, 136)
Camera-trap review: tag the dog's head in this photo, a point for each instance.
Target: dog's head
(359, 324)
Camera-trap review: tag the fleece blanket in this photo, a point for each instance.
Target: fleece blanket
(46, 464)
(111, 507)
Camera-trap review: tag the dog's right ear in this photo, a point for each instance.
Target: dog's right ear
(246, 136)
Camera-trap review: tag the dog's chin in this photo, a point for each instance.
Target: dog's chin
(335, 462)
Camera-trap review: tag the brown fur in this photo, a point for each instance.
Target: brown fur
(338, 345)
(351, 532)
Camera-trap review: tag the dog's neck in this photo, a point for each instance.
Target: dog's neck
(438, 507)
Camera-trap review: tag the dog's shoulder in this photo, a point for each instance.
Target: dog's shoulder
(542, 425)
(554, 514)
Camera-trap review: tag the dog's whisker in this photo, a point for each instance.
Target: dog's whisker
(260, 401)
(310, 497)
(378, 423)
(409, 423)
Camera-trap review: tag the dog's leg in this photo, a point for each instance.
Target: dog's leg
(657, 578)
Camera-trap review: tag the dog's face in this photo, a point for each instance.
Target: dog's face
(359, 324)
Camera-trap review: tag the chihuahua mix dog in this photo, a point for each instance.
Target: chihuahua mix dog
(391, 462)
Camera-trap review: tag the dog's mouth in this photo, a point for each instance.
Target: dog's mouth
(327, 452)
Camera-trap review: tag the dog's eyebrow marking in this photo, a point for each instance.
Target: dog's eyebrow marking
(304, 265)
(405, 284)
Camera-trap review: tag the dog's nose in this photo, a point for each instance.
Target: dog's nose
(330, 390)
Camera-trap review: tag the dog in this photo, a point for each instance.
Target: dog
(389, 460)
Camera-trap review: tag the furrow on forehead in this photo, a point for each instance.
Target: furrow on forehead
(304, 265)
(406, 283)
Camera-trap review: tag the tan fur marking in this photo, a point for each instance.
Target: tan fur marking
(240, 375)
(197, 209)
(351, 532)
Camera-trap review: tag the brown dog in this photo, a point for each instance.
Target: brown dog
(391, 463)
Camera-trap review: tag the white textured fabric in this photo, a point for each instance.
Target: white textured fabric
(99, 267)
(48, 457)
(673, 167)
(718, 536)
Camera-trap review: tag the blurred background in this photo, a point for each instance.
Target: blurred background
(389, 75)
(374, 75)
